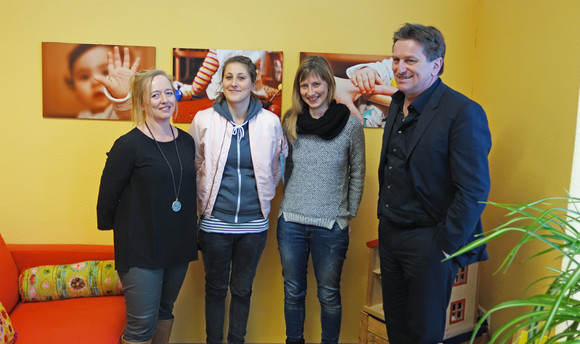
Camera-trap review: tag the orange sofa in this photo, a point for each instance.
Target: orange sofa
(87, 320)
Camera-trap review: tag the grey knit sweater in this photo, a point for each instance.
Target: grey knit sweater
(325, 178)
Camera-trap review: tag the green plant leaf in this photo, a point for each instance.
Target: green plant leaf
(553, 222)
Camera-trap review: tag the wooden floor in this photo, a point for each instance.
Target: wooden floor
(483, 339)
(479, 340)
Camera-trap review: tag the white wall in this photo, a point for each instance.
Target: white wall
(575, 179)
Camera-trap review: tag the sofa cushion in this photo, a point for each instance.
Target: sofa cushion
(87, 320)
(57, 282)
(7, 334)
(9, 277)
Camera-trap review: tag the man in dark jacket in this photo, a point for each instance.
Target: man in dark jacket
(433, 178)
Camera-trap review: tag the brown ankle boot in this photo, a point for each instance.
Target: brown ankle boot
(123, 341)
(163, 332)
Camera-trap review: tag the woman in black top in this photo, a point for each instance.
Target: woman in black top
(148, 197)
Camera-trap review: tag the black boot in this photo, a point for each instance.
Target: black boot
(301, 341)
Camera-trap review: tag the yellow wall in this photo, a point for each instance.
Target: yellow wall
(51, 167)
(527, 77)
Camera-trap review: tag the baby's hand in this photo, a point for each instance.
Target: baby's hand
(117, 82)
(347, 94)
(366, 79)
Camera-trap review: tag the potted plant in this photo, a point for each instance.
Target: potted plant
(555, 222)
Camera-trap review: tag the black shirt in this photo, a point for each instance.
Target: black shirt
(398, 201)
(135, 198)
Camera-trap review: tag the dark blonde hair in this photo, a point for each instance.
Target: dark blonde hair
(250, 68)
(311, 65)
(141, 93)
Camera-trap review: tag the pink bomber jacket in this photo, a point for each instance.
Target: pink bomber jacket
(213, 135)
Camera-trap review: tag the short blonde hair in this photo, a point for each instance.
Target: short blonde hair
(141, 92)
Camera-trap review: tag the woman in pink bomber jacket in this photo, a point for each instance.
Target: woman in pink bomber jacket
(238, 147)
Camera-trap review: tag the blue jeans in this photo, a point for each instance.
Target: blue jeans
(328, 248)
(149, 296)
(229, 259)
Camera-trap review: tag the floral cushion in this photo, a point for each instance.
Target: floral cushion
(7, 334)
(57, 282)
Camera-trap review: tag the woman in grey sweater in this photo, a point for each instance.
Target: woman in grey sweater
(324, 183)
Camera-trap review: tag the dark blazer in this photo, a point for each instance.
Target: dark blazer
(447, 166)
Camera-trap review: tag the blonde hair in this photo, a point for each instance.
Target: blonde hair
(311, 65)
(141, 93)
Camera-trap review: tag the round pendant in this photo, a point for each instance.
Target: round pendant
(176, 206)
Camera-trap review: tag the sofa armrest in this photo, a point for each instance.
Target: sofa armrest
(29, 255)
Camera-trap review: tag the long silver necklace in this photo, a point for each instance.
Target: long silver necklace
(176, 205)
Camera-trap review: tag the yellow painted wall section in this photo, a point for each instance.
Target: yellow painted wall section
(51, 167)
(527, 77)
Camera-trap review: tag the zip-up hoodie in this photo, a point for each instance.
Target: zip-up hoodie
(226, 190)
(237, 200)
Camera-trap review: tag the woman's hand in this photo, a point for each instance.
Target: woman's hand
(118, 80)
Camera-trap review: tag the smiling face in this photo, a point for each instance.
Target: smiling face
(413, 72)
(88, 90)
(162, 98)
(314, 92)
(237, 83)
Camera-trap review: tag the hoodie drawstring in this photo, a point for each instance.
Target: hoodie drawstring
(239, 131)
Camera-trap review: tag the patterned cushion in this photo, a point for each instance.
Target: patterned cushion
(7, 334)
(57, 282)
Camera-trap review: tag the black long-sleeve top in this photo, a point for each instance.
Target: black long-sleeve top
(135, 198)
